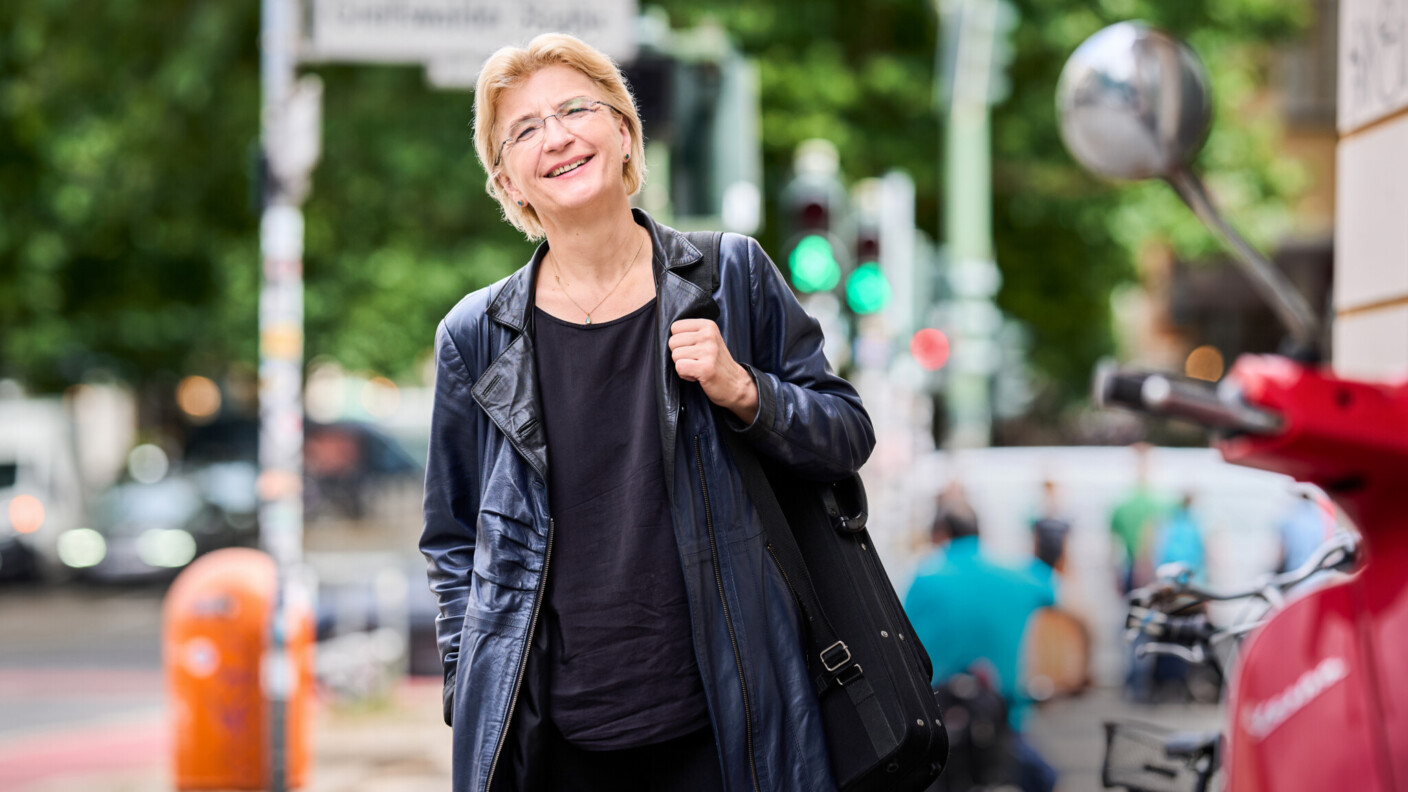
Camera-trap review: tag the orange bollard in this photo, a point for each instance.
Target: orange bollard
(216, 623)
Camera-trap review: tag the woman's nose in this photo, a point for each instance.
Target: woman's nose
(555, 133)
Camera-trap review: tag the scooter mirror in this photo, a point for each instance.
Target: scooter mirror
(1133, 103)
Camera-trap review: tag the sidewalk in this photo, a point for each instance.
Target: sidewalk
(402, 745)
(397, 746)
(1070, 733)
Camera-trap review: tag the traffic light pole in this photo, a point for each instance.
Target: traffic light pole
(972, 273)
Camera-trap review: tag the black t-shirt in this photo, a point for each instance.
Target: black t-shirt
(622, 670)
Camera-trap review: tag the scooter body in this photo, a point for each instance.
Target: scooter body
(1319, 699)
(1320, 695)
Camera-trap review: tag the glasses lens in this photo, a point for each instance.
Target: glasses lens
(575, 111)
(524, 130)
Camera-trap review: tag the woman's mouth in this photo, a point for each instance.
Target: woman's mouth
(568, 168)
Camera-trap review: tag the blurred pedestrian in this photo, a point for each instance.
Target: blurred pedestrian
(1178, 539)
(1050, 527)
(971, 613)
(609, 618)
(1132, 525)
(1309, 523)
(952, 505)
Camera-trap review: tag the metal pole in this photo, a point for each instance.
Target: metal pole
(280, 369)
(968, 215)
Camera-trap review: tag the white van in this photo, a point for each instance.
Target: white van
(41, 492)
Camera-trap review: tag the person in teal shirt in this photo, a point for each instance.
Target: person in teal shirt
(969, 611)
(1179, 540)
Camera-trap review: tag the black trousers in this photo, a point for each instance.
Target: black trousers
(684, 764)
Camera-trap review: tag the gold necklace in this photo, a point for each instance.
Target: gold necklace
(557, 275)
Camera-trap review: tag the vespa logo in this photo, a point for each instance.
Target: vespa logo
(1268, 716)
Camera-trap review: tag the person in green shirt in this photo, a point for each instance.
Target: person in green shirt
(1132, 524)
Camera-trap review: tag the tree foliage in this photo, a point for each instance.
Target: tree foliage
(128, 128)
(128, 234)
(1064, 239)
(861, 75)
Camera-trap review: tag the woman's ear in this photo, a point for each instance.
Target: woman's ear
(509, 190)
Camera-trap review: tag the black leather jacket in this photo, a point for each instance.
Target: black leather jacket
(488, 532)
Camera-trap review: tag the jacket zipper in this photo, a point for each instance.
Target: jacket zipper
(795, 596)
(523, 663)
(728, 619)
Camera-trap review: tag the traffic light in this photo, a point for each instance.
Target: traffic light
(813, 264)
(813, 204)
(698, 99)
(929, 347)
(867, 288)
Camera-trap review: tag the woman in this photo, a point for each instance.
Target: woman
(609, 615)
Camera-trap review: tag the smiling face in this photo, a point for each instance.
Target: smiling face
(562, 168)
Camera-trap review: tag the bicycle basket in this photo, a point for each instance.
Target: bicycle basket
(1142, 757)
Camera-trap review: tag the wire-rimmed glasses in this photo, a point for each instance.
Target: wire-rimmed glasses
(571, 113)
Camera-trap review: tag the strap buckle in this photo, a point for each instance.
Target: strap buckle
(852, 674)
(830, 666)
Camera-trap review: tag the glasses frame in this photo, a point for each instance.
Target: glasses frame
(591, 103)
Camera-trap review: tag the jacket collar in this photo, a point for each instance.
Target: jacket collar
(671, 253)
(508, 388)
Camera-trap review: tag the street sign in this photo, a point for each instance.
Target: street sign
(425, 31)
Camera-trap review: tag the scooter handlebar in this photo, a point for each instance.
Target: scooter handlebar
(1160, 394)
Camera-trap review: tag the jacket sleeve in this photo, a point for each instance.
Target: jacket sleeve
(808, 418)
(451, 500)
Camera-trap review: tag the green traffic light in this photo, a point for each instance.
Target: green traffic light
(867, 290)
(813, 265)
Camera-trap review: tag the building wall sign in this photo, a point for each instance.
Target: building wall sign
(1373, 61)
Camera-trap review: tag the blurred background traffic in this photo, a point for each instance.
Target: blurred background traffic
(899, 159)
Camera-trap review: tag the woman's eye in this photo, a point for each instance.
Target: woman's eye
(526, 134)
(577, 112)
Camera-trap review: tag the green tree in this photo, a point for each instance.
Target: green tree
(861, 75)
(128, 129)
(128, 236)
(123, 132)
(1064, 239)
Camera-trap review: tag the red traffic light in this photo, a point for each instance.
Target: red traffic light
(867, 246)
(930, 348)
(813, 215)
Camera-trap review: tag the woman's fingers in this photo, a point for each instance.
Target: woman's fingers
(701, 356)
(688, 332)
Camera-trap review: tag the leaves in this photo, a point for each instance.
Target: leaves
(126, 130)
(127, 238)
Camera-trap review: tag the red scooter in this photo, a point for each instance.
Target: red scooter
(1318, 699)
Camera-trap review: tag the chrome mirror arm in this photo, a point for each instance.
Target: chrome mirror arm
(1288, 303)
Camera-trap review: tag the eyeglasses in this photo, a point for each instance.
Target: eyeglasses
(572, 113)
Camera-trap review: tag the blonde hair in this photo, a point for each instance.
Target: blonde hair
(510, 67)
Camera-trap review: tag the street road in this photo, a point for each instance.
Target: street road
(84, 663)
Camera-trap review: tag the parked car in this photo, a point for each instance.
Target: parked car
(150, 531)
(347, 465)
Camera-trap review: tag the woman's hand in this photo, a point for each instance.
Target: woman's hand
(701, 356)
